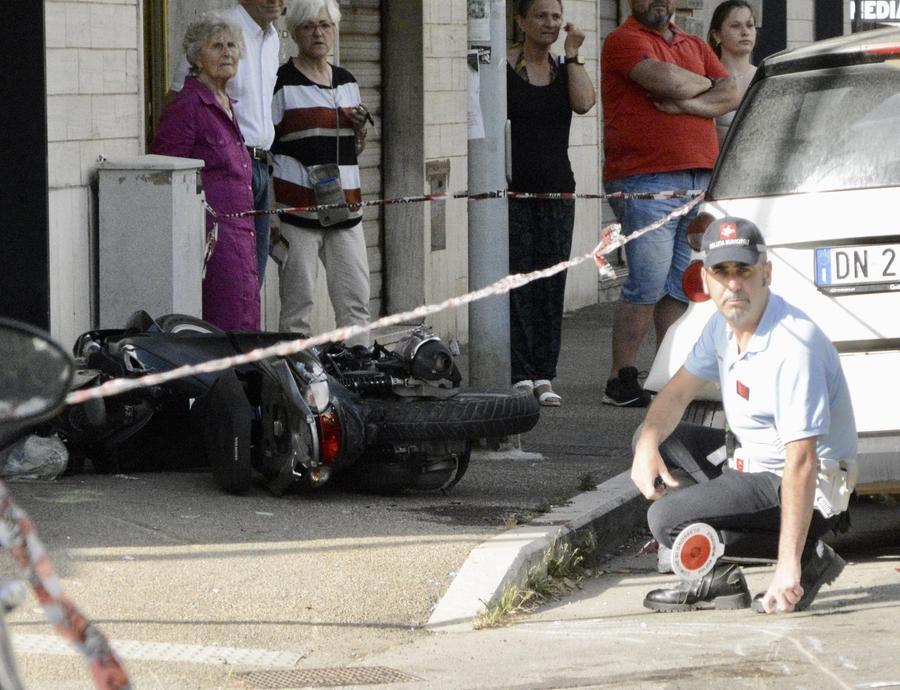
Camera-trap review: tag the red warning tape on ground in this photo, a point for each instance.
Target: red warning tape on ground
(18, 536)
(611, 238)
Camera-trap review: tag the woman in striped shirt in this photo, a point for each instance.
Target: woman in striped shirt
(319, 132)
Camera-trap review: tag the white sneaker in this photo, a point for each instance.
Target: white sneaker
(525, 385)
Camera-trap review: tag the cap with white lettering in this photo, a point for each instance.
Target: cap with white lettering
(732, 239)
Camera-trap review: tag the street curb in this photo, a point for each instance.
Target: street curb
(609, 513)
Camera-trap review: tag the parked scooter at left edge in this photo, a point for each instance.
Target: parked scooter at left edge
(35, 376)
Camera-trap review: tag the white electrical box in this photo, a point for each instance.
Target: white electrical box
(151, 237)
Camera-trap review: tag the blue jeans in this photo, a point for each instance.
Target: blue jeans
(656, 261)
(540, 235)
(261, 203)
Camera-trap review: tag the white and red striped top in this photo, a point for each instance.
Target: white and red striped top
(313, 127)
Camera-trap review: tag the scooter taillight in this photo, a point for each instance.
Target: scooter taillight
(697, 228)
(692, 282)
(329, 425)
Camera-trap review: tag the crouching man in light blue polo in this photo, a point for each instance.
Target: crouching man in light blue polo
(793, 465)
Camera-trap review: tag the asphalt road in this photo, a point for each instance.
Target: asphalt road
(179, 570)
(197, 588)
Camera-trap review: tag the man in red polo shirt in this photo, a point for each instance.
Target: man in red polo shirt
(661, 89)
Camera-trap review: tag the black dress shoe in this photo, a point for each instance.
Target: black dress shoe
(822, 568)
(724, 587)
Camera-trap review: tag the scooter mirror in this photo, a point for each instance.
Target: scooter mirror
(35, 374)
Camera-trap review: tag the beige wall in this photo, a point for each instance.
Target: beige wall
(95, 108)
(182, 13)
(585, 154)
(801, 26)
(445, 90)
(94, 96)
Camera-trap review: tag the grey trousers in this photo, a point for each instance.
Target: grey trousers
(745, 508)
(343, 254)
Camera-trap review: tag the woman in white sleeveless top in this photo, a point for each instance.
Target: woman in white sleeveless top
(732, 35)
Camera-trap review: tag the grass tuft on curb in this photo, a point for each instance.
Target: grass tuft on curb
(512, 520)
(554, 577)
(586, 482)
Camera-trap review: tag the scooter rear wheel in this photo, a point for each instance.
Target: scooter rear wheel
(440, 467)
(468, 415)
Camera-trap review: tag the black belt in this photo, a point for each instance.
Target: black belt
(258, 153)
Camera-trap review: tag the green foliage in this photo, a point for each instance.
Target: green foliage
(554, 577)
(512, 520)
(586, 482)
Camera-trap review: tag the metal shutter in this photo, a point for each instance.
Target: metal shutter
(360, 52)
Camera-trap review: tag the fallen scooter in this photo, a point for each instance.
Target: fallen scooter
(387, 420)
(34, 379)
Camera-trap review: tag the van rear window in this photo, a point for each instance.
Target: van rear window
(814, 132)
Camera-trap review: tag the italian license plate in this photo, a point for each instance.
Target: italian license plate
(858, 268)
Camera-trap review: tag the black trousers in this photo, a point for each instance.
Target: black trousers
(745, 508)
(540, 235)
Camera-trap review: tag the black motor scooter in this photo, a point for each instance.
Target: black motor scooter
(35, 375)
(387, 420)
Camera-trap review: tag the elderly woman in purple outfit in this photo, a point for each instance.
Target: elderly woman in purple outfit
(200, 123)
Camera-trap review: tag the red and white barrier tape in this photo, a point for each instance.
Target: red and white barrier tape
(212, 234)
(498, 194)
(611, 238)
(18, 536)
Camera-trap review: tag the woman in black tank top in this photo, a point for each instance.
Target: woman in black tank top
(543, 90)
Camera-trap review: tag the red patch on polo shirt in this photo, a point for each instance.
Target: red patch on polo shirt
(743, 391)
(728, 231)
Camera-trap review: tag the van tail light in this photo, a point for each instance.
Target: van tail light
(697, 228)
(329, 425)
(692, 282)
(888, 50)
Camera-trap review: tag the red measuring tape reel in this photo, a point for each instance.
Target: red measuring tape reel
(696, 551)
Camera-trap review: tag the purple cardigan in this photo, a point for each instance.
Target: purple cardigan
(195, 126)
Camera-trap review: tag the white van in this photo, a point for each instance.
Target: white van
(813, 158)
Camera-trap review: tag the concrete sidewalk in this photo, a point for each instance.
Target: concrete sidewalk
(603, 517)
(610, 516)
(606, 516)
(602, 637)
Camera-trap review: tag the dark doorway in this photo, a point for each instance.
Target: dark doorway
(829, 18)
(772, 36)
(24, 213)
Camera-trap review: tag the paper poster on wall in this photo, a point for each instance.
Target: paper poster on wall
(479, 22)
(476, 121)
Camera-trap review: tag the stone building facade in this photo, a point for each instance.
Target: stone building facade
(105, 63)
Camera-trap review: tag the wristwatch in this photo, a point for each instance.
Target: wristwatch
(577, 59)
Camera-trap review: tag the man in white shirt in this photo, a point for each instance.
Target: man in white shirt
(252, 90)
(787, 403)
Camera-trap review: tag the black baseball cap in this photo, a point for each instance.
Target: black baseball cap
(732, 239)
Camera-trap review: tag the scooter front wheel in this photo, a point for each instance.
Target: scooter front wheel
(226, 419)
(184, 323)
(468, 415)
